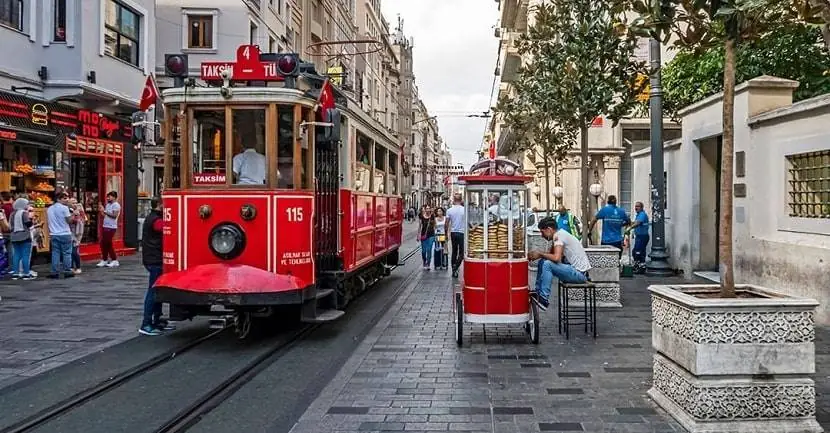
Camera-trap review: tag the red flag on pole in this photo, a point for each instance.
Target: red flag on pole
(492, 149)
(326, 99)
(149, 95)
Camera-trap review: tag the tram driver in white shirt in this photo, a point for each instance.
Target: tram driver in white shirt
(249, 167)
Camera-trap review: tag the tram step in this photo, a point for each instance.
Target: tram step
(324, 316)
(322, 293)
(218, 322)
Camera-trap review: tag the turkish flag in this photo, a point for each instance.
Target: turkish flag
(326, 99)
(492, 149)
(149, 95)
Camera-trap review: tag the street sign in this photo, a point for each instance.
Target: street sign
(248, 67)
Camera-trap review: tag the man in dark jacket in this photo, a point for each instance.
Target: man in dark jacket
(151, 257)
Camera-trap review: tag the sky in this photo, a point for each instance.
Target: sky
(454, 59)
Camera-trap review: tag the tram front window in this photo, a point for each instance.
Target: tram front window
(285, 147)
(249, 164)
(208, 137)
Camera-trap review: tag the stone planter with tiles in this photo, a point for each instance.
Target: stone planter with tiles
(734, 365)
(605, 274)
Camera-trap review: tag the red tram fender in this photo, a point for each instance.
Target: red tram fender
(224, 278)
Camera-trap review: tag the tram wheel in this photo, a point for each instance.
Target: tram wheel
(459, 319)
(242, 324)
(533, 325)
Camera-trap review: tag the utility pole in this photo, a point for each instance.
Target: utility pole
(659, 264)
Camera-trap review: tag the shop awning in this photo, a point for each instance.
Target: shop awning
(28, 137)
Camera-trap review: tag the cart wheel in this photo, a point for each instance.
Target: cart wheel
(533, 325)
(459, 319)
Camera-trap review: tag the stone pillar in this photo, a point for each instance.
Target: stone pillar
(571, 184)
(611, 176)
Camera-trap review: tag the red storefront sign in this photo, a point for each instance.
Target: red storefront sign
(21, 111)
(8, 135)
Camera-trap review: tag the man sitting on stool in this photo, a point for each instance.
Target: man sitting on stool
(566, 261)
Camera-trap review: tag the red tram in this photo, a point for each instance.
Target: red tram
(280, 194)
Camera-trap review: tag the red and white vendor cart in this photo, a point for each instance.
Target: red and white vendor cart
(495, 282)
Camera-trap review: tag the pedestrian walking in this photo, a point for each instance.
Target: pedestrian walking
(456, 222)
(426, 230)
(152, 259)
(20, 234)
(613, 220)
(59, 218)
(440, 239)
(110, 213)
(77, 226)
(4, 234)
(641, 238)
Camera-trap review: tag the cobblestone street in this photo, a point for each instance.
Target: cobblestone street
(409, 374)
(46, 323)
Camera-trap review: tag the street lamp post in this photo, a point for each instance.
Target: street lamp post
(659, 264)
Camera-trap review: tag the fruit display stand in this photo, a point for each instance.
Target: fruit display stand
(38, 183)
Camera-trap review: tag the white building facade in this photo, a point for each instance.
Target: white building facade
(781, 215)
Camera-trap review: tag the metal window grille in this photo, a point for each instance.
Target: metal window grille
(809, 184)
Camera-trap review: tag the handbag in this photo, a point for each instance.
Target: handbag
(442, 238)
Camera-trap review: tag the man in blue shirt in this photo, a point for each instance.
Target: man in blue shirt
(566, 221)
(641, 238)
(613, 221)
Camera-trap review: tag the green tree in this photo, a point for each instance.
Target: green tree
(582, 68)
(790, 51)
(531, 126)
(701, 24)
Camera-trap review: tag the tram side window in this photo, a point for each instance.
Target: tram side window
(249, 164)
(208, 139)
(173, 150)
(362, 165)
(285, 147)
(380, 169)
(393, 173)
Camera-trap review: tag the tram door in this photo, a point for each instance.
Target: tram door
(86, 184)
(327, 173)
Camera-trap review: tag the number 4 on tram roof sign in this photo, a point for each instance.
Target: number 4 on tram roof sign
(249, 66)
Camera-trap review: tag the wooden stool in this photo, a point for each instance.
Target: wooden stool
(587, 315)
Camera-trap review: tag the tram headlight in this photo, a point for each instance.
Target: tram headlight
(227, 241)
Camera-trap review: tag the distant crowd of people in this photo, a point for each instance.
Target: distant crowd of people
(23, 231)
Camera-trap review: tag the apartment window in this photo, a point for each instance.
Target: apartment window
(121, 32)
(60, 21)
(253, 38)
(11, 14)
(272, 44)
(809, 184)
(201, 31)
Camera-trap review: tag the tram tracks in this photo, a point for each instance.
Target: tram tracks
(209, 401)
(205, 403)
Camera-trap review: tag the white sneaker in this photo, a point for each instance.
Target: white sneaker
(113, 264)
(33, 274)
(102, 263)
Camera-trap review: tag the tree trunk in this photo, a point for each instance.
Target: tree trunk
(727, 277)
(547, 186)
(586, 207)
(824, 6)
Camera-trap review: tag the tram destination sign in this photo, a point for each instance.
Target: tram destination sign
(248, 67)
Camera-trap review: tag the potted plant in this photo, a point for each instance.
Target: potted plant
(729, 357)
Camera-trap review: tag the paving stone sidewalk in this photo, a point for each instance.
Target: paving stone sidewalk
(47, 323)
(409, 375)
